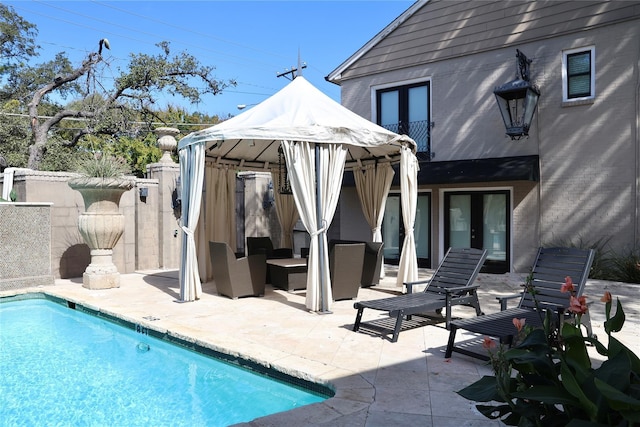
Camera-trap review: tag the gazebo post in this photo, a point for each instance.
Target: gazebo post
(321, 249)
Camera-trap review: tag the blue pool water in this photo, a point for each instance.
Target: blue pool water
(60, 366)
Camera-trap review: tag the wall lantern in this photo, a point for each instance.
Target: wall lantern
(517, 100)
(269, 198)
(284, 186)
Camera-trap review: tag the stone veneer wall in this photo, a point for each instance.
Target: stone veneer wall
(25, 241)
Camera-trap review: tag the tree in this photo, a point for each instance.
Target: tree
(111, 111)
(16, 38)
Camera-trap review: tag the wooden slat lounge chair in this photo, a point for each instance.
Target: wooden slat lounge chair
(451, 284)
(551, 267)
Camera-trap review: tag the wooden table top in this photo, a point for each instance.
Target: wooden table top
(288, 262)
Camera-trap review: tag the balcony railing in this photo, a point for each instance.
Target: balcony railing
(419, 131)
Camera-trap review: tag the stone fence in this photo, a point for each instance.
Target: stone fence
(25, 241)
(151, 239)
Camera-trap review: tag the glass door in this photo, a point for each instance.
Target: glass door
(480, 220)
(393, 231)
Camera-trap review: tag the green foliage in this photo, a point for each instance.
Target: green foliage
(102, 165)
(547, 379)
(136, 152)
(16, 38)
(624, 265)
(14, 135)
(58, 156)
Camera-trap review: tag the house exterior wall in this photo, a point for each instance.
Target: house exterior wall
(588, 152)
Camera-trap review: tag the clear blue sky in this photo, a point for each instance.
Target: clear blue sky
(249, 41)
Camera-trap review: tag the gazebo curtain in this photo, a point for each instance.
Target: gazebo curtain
(300, 158)
(408, 267)
(373, 184)
(192, 173)
(219, 221)
(286, 211)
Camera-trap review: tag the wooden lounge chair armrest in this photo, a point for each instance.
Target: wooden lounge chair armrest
(410, 285)
(504, 299)
(461, 288)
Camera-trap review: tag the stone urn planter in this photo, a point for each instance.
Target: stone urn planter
(167, 142)
(101, 226)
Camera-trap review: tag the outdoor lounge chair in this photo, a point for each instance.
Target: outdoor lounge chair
(372, 261)
(345, 268)
(551, 267)
(451, 284)
(237, 277)
(264, 245)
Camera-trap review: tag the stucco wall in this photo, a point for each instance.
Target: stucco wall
(589, 152)
(150, 240)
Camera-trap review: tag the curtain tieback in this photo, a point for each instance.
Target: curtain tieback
(320, 230)
(187, 231)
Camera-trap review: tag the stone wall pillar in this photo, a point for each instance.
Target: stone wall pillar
(260, 217)
(167, 173)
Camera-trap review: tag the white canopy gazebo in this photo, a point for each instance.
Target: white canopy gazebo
(319, 138)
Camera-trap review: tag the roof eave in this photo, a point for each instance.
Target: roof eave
(336, 75)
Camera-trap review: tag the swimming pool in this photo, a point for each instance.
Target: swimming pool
(66, 367)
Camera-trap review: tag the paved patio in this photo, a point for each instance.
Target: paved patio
(376, 382)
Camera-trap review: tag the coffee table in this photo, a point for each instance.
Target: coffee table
(288, 273)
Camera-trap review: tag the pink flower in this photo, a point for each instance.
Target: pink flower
(488, 343)
(567, 286)
(578, 305)
(519, 323)
(606, 297)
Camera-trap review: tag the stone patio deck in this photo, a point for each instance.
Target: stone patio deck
(376, 382)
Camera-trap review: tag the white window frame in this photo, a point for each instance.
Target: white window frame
(565, 82)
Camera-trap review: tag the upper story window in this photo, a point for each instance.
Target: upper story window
(406, 110)
(578, 74)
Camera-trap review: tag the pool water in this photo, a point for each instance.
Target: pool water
(65, 367)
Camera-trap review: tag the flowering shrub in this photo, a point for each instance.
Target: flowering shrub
(547, 378)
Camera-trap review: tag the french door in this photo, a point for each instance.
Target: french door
(480, 219)
(393, 231)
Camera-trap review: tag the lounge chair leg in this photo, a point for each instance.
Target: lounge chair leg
(396, 330)
(452, 338)
(356, 325)
(476, 304)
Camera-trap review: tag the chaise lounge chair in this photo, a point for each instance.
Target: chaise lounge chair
(451, 284)
(551, 267)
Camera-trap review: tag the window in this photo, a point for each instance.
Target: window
(406, 110)
(578, 74)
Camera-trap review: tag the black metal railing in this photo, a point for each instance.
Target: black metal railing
(419, 131)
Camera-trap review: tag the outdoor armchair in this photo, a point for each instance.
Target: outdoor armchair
(345, 268)
(237, 277)
(264, 245)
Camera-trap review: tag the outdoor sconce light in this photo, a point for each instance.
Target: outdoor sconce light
(269, 198)
(284, 186)
(517, 100)
(144, 193)
(176, 196)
